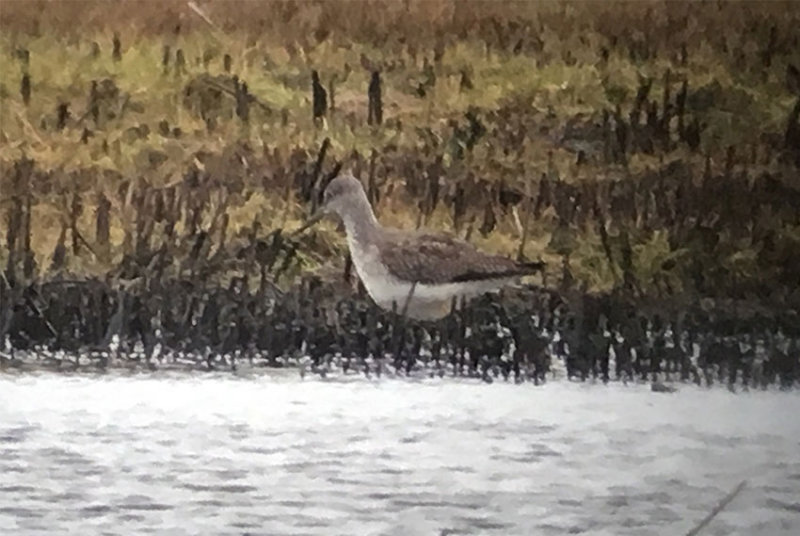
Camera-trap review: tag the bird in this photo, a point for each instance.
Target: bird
(419, 274)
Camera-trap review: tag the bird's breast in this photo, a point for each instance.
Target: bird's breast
(381, 285)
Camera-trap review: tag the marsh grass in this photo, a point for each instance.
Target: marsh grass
(490, 97)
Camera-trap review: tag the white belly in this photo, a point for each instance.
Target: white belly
(426, 302)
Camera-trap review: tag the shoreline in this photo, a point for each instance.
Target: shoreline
(522, 333)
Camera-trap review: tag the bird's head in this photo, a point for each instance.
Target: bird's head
(341, 195)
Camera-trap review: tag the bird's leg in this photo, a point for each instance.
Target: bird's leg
(408, 299)
(453, 304)
(462, 326)
(401, 325)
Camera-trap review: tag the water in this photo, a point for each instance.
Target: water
(217, 454)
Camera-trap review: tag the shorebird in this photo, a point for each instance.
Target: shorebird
(418, 274)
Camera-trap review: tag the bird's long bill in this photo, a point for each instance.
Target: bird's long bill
(310, 222)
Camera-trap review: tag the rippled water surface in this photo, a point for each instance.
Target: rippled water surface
(276, 455)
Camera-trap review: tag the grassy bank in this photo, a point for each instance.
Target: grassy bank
(645, 149)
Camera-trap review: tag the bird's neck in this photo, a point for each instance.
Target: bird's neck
(360, 221)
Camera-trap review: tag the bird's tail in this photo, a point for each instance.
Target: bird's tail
(531, 267)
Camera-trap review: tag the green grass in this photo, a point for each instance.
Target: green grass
(565, 79)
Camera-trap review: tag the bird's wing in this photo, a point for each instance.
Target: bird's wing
(437, 259)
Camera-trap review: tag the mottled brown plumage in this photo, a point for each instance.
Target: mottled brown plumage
(436, 259)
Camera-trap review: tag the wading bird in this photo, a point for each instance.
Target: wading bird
(418, 274)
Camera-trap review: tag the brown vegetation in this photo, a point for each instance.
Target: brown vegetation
(648, 151)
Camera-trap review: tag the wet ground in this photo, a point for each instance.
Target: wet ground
(274, 454)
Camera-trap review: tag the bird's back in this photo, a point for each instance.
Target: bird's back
(434, 258)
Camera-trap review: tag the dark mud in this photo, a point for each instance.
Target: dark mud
(522, 334)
